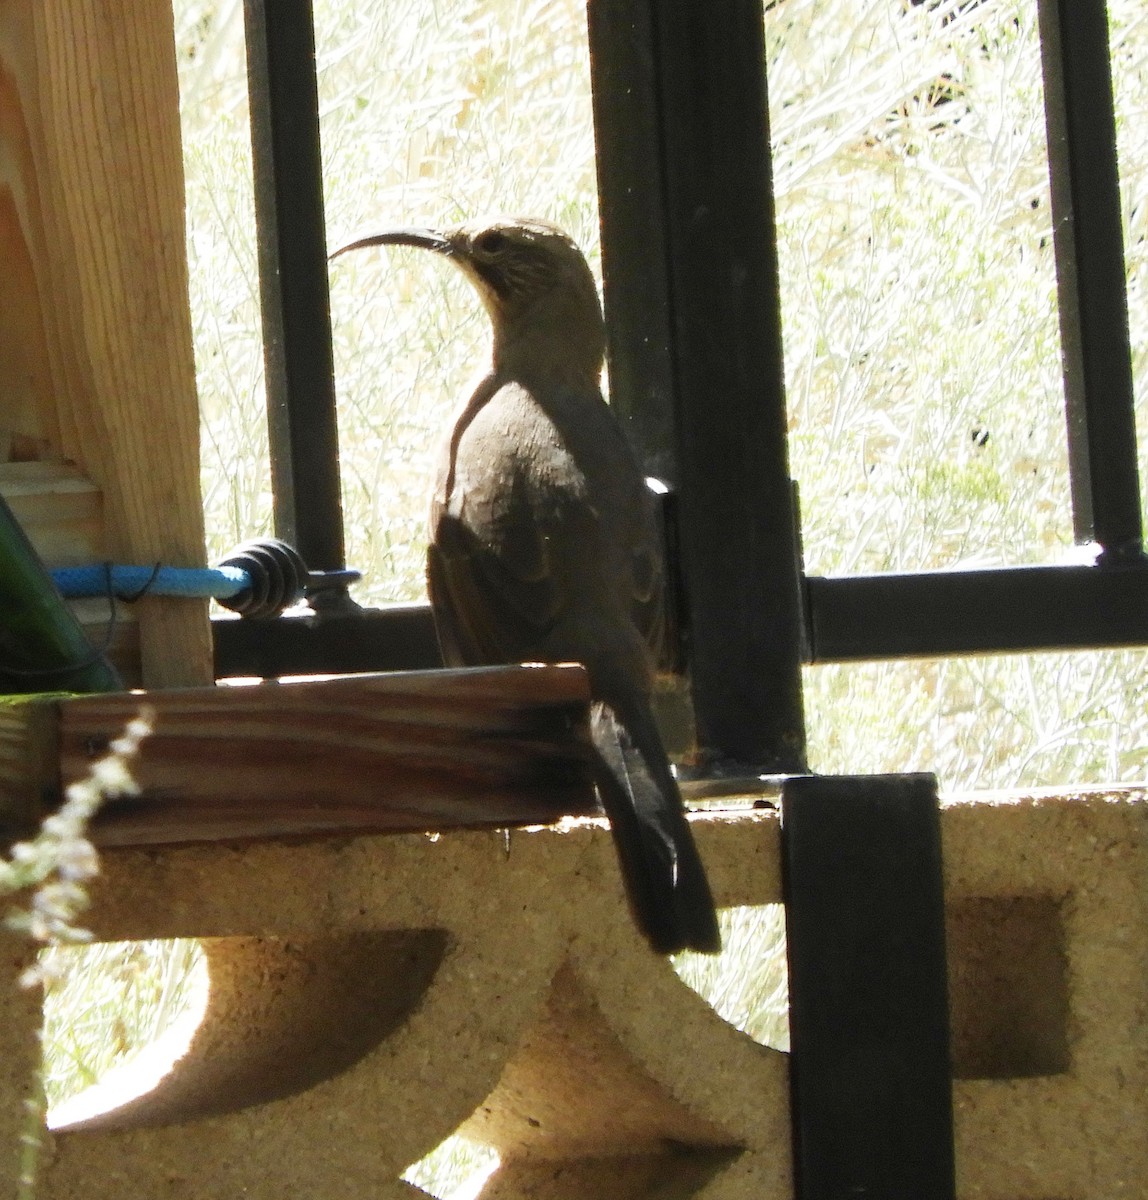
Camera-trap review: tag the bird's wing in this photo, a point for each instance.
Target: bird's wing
(489, 573)
(484, 611)
(530, 499)
(648, 606)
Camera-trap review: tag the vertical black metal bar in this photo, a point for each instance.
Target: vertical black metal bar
(293, 279)
(740, 557)
(1091, 274)
(631, 198)
(871, 1080)
(635, 266)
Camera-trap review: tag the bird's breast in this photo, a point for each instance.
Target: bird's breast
(556, 462)
(510, 443)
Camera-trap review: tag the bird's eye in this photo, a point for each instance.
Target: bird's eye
(491, 242)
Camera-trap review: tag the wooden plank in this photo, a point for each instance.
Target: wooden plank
(29, 754)
(96, 365)
(62, 512)
(486, 747)
(59, 508)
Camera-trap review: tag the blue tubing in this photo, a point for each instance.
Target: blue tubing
(218, 583)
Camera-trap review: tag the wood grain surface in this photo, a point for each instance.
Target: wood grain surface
(424, 750)
(96, 362)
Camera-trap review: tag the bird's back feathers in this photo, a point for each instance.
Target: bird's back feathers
(545, 547)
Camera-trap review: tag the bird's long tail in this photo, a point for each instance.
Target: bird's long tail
(664, 876)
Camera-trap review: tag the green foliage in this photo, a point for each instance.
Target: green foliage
(51, 871)
(50, 874)
(748, 983)
(105, 1001)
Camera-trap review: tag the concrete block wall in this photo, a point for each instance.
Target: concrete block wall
(1048, 964)
(370, 995)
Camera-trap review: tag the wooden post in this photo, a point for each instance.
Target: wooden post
(96, 362)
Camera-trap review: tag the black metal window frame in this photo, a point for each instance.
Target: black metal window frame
(693, 303)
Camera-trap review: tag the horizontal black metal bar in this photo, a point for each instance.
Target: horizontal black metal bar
(854, 618)
(868, 1005)
(941, 613)
(1091, 274)
(293, 279)
(397, 638)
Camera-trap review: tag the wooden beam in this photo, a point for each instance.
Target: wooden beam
(29, 764)
(421, 750)
(62, 512)
(96, 365)
(59, 508)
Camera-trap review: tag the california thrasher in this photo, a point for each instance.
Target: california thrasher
(544, 545)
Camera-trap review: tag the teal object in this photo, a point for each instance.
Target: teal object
(42, 647)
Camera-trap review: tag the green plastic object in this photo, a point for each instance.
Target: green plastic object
(42, 647)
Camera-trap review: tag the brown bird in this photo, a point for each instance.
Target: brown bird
(544, 545)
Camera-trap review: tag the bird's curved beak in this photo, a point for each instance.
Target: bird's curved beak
(426, 239)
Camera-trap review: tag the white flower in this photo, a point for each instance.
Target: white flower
(60, 858)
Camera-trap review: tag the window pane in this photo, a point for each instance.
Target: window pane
(223, 275)
(999, 721)
(431, 114)
(918, 284)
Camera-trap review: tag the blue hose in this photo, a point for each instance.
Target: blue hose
(260, 578)
(215, 583)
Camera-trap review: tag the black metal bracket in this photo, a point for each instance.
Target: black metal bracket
(868, 1004)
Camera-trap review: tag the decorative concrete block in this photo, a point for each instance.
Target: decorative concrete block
(370, 995)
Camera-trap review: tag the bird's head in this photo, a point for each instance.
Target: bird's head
(533, 281)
